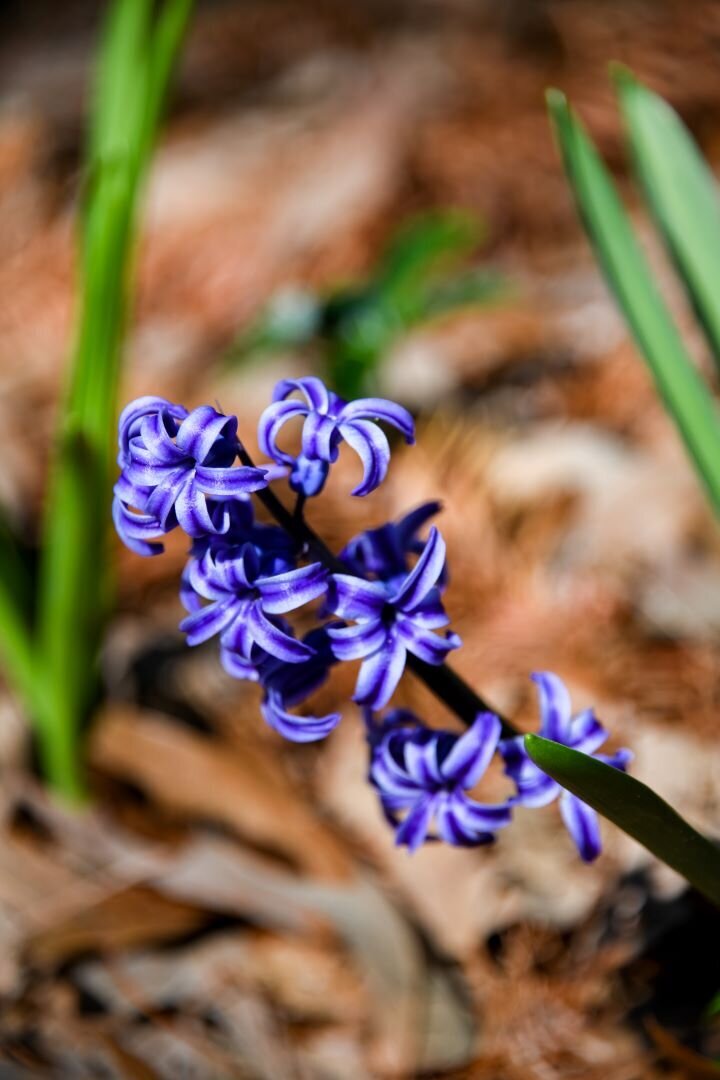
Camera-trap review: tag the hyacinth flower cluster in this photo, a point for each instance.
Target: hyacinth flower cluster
(380, 602)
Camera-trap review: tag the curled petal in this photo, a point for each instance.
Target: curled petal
(148, 476)
(413, 830)
(555, 706)
(270, 424)
(238, 666)
(188, 594)
(472, 753)
(203, 624)
(371, 446)
(431, 615)
(377, 551)
(314, 389)
(483, 817)
(352, 598)
(586, 732)
(535, 788)
(201, 429)
(156, 433)
(288, 591)
(299, 729)
(426, 645)
(424, 574)
(229, 483)
(409, 525)
(381, 409)
(192, 510)
(380, 673)
(274, 641)
(319, 437)
(421, 762)
(129, 493)
(583, 825)
(391, 779)
(619, 760)
(132, 415)
(236, 575)
(355, 642)
(237, 637)
(453, 829)
(137, 531)
(161, 500)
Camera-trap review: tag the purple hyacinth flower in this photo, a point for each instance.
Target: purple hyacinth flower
(383, 553)
(422, 777)
(176, 470)
(288, 685)
(245, 604)
(582, 732)
(391, 619)
(328, 421)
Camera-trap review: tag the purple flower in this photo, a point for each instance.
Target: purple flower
(245, 605)
(392, 619)
(582, 732)
(288, 685)
(176, 470)
(327, 421)
(274, 548)
(383, 553)
(422, 777)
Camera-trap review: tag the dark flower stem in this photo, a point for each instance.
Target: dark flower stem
(441, 680)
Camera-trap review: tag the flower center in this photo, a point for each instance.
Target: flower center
(387, 614)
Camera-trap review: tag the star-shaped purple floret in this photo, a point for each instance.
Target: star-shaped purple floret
(582, 732)
(245, 606)
(177, 470)
(422, 777)
(391, 619)
(328, 421)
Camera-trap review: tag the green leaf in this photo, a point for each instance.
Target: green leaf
(465, 290)
(681, 193)
(137, 56)
(17, 649)
(16, 644)
(424, 248)
(634, 808)
(628, 276)
(713, 1006)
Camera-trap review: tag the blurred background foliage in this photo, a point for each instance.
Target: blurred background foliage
(350, 329)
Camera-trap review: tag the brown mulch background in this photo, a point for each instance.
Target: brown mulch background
(232, 905)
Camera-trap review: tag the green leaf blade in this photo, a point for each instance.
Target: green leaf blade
(140, 46)
(635, 809)
(628, 276)
(681, 193)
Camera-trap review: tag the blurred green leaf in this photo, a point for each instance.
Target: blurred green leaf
(353, 326)
(629, 278)
(635, 809)
(465, 290)
(16, 643)
(681, 193)
(429, 245)
(713, 1006)
(139, 49)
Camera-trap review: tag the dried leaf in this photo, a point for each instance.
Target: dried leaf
(203, 779)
